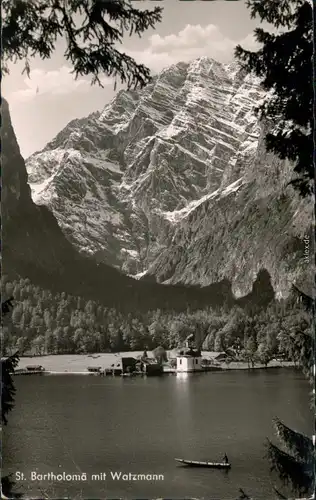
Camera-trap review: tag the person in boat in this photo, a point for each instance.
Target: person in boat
(225, 458)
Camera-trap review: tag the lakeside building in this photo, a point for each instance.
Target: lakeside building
(35, 368)
(150, 367)
(145, 365)
(189, 359)
(30, 370)
(189, 363)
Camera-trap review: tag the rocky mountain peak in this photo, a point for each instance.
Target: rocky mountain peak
(164, 181)
(34, 246)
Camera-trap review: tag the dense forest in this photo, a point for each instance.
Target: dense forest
(47, 323)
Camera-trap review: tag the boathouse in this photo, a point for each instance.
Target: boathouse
(150, 366)
(128, 364)
(35, 368)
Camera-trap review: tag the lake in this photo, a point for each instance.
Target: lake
(77, 424)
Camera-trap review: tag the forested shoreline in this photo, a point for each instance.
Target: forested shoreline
(43, 322)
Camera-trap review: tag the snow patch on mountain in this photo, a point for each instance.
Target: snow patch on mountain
(155, 165)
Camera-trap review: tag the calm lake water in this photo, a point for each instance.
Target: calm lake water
(78, 424)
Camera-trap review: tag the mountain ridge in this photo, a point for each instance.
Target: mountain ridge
(124, 182)
(134, 133)
(34, 247)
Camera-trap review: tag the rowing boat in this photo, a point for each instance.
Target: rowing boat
(194, 463)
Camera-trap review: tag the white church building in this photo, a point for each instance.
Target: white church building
(189, 359)
(187, 363)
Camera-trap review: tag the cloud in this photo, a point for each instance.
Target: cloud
(190, 37)
(57, 82)
(191, 42)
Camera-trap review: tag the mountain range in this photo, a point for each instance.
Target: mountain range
(34, 247)
(172, 183)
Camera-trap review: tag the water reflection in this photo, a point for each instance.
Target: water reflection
(142, 425)
(183, 410)
(182, 377)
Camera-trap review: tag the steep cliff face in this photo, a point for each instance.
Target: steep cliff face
(257, 222)
(174, 183)
(114, 179)
(29, 233)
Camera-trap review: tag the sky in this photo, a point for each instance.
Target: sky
(42, 105)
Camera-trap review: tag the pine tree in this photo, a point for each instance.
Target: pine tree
(7, 368)
(92, 30)
(7, 398)
(285, 64)
(295, 461)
